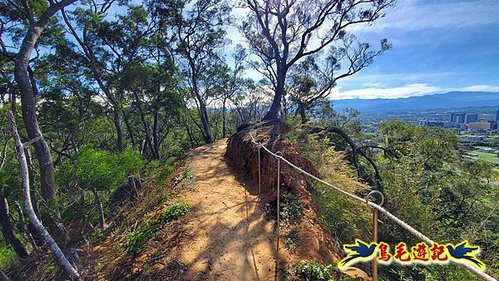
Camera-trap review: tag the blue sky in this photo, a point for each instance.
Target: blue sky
(438, 46)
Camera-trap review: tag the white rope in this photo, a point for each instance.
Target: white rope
(391, 216)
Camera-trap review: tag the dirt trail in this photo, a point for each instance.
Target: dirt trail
(226, 235)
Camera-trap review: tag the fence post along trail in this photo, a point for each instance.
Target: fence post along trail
(375, 208)
(375, 227)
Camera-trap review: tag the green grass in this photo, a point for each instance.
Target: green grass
(315, 271)
(481, 146)
(7, 257)
(137, 239)
(489, 157)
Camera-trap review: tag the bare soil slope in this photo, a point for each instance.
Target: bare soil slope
(226, 236)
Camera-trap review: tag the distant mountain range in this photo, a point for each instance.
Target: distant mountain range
(436, 101)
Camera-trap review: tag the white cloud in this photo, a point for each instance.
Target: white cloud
(416, 15)
(409, 90)
(481, 88)
(405, 91)
(376, 78)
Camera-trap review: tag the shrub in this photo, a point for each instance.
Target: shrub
(344, 218)
(100, 169)
(290, 240)
(98, 173)
(160, 171)
(314, 271)
(290, 209)
(137, 239)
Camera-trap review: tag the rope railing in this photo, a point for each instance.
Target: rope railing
(375, 207)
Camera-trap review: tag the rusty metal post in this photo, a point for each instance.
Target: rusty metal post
(375, 229)
(278, 216)
(375, 239)
(259, 171)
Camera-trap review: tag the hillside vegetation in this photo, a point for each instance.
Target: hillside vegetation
(126, 154)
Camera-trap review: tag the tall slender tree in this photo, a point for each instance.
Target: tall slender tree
(37, 16)
(34, 18)
(283, 32)
(201, 35)
(313, 78)
(109, 48)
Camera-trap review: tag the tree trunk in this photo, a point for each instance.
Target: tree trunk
(25, 228)
(223, 119)
(284, 106)
(13, 106)
(241, 116)
(155, 135)
(129, 129)
(28, 105)
(205, 122)
(273, 112)
(189, 134)
(135, 191)
(43, 155)
(70, 270)
(119, 129)
(8, 230)
(301, 111)
(147, 131)
(4, 277)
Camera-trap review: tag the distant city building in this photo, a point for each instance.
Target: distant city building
(451, 125)
(431, 123)
(493, 124)
(457, 117)
(497, 116)
(460, 118)
(479, 126)
(470, 117)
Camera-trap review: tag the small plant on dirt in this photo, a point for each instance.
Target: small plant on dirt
(290, 211)
(137, 239)
(291, 238)
(159, 197)
(48, 270)
(186, 175)
(98, 234)
(314, 271)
